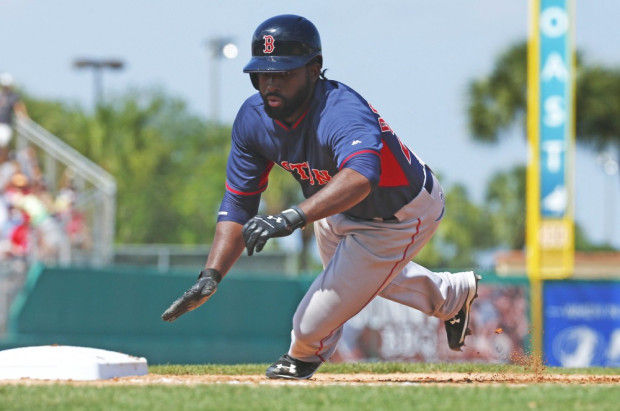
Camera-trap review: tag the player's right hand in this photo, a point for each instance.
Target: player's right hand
(261, 228)
(198, 294)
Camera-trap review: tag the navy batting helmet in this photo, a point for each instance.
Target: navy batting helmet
(283, 43)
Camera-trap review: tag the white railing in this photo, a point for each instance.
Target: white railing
(97, 188)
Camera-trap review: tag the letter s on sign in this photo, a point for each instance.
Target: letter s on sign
(555, 114)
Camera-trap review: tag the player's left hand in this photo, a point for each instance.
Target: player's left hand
(261, 228)
(198, 294)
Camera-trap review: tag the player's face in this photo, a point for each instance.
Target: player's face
(285, 94)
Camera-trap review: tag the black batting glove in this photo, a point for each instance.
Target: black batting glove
(261, 228)
(198, 294)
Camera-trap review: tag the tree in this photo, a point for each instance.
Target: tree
(505, 200)
(498, 101)
(169, 166)
(598, 108)
(464, 231)
(170, 170)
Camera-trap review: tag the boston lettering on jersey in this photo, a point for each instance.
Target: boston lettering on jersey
(339, 130)
(385, 128)
(304, 172)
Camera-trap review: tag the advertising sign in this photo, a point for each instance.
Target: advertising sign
(582, 324)
(555, 77)
(551, 101)
(388, 331)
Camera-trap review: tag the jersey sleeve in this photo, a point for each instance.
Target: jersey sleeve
(247, 173)
(355, 140)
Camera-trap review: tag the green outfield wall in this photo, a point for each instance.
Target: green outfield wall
(247, 320)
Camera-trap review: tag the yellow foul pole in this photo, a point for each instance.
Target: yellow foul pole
(533, 180)
(551, 140)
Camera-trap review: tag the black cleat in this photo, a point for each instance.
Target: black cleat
(291, 368)
(457, 326)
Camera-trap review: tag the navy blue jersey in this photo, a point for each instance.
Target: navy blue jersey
(339, 130)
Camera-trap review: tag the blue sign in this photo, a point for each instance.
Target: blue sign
(582, 323)
(555, 74)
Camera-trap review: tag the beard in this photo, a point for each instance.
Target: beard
(288, 106)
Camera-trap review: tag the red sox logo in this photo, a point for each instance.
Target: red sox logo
(269, 44)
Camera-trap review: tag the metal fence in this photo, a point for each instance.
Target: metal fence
(177, 256)
(93, 195)
(12, 277)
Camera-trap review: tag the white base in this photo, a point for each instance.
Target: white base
(64, 362)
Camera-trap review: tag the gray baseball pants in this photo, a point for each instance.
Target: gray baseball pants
(363, 259)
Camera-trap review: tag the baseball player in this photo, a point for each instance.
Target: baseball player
(373, 202)
(10, 104)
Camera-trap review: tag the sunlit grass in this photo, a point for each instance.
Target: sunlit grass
(378, 368)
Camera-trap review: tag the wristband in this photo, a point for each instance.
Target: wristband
(211, 273)
(295, 217)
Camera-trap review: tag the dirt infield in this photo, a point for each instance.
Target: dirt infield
(345, 379)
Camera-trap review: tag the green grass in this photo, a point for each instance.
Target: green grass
(427, 396)
(226, 397)
(378, 368)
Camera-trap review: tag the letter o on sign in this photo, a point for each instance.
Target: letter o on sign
(553, 21)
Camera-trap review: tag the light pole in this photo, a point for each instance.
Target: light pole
(610, 167)
(97, 66)
(217, 48)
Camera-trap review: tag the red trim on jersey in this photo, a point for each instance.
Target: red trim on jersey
(295, 124)
(392, 174)
(354, 154)
(417, 230)
(265, 176)
(300, 118)
(244, 193)
(281, 125)
(262, 182)
(405, 150)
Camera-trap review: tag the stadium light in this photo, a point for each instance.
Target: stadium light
(609, 165)
(97, 66)
(230, 51)
(218, 48)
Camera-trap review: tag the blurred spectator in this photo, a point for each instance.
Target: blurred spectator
(10, 104)
(39, 189)
(14, 228)
(51, 244)
(18, 233)
(35, 223)
(71, 218)
(8, 167)
(29, 163)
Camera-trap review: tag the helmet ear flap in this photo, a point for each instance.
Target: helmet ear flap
(254, 79)
(319, 59)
